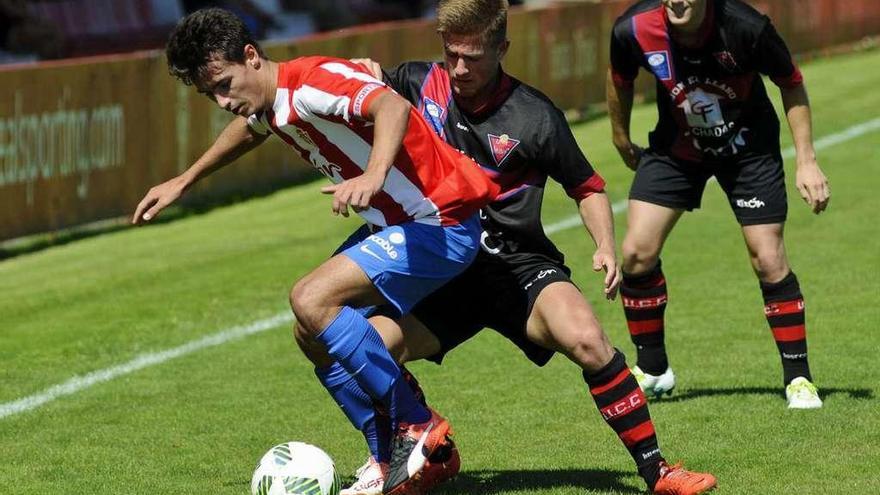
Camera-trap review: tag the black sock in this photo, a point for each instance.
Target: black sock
(784, 308)
(644, 303)
(624, 407)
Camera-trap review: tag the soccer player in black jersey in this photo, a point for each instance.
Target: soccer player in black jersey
(519, 284)
(715, 119)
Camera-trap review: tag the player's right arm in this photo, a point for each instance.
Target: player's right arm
(236, 139)
(620, 102)
(619, 92)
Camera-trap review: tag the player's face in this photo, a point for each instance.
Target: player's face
(472, 65)
(685, 14)
(236, 87)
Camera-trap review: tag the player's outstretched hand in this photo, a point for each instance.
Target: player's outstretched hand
(813, 185)
(356, 192)
(604, 259)
(371, 65)
(157, 198)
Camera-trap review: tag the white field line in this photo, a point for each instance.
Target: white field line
(825, 142)
(78, 383)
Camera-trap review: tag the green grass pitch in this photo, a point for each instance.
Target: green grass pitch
(199, 422)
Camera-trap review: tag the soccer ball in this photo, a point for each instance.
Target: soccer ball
(295, 468)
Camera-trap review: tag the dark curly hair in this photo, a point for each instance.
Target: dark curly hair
(206, 35)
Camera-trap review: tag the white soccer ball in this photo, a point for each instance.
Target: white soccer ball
(295, 468)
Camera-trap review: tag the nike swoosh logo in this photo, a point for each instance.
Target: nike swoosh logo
(374, 255)
(417, 458)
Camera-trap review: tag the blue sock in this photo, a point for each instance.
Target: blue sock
(353, 342)
(357, 407)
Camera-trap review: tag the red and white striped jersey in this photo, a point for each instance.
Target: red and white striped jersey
(319, 110)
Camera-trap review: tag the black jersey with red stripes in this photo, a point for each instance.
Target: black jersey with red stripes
(711, 99)
(520, 138)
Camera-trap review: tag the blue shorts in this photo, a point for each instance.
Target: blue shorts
(409, 261)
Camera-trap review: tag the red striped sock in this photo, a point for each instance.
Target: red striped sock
(784, 308)
(623, 406)
(644, 303)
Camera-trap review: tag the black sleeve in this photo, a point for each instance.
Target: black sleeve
(561, 157)
(773, 59)
(407, 79)
(624, 52)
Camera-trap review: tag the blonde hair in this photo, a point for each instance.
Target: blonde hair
(484, 18)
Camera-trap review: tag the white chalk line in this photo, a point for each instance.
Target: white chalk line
(79, 383)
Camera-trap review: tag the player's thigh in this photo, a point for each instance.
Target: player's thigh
(407, 262)
(648, 227)
(406, 338)
(562, 320)
(755, 189)
(336, 282)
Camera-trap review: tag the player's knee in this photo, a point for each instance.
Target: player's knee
(305, 300)
(586, 345)
(638, 256)
(770, 265)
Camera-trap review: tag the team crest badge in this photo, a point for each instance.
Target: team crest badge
(726, 60)
(502, 146)
(433, 113)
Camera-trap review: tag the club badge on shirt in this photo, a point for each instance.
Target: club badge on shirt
(501, 147)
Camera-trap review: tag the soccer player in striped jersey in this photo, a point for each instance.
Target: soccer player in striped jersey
(419, 195)
(715, 119)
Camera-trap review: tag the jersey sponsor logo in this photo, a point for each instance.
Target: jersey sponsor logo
(433, 113)
(540, 276)
(750, 203)
(702, 109)
(659, 63)
(501, 147)
(385, 245)
(328, 169)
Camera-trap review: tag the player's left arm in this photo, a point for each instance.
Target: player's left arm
(811, 182)
(563, 160)
(774, 59)
(596, 214)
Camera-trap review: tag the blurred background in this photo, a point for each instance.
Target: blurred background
(90, 118)
(51, 29)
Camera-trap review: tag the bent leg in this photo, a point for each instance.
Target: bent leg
(643, 291)
(562, 320)
(783, 301)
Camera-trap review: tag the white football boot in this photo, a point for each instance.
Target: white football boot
(801, 394)
(370, 478)
(655, 385)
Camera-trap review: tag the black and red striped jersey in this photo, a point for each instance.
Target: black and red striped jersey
(711, 100)
(520, 138)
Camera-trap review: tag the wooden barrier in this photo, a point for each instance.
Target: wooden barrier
(82, 140)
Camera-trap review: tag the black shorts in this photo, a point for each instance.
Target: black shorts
(754, 184)
(495, 293)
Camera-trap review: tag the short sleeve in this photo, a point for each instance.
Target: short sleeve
(562, 159)
(338, 89)
(774, 60)
(624, 57)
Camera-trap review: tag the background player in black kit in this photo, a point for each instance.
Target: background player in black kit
(715, 119)
(519, 284)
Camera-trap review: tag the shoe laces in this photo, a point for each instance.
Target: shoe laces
(673, 472)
